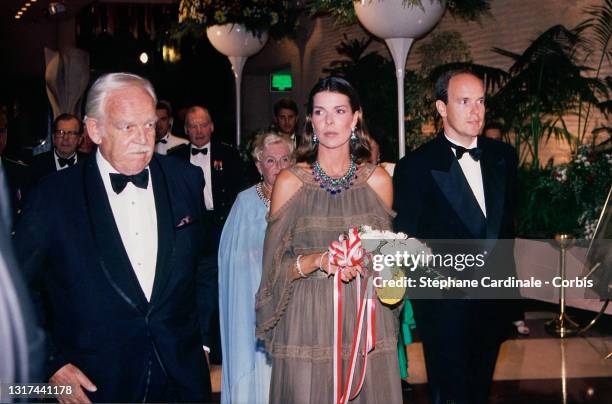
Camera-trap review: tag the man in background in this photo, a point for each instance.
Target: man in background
(164, 140)
(223, 179)
(286, 117)
(66, 135)
(493, 130)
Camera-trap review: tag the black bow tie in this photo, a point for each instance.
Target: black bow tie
(66, 162)
(164, 141)
(120, 181)
(475, 153)
(195, 151)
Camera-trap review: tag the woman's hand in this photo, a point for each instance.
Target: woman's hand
(312, 262)
(347, 274)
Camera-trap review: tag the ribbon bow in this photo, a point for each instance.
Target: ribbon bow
(347, 251)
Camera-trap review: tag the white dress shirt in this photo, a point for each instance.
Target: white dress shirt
(472, 172)
(57, 164)
(171, 141)
(203, 161)
(135, 217)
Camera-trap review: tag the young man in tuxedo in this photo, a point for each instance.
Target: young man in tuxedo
(460, 186)
(111, 244)
(286, 117)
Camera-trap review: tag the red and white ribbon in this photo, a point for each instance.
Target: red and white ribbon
(348, 252)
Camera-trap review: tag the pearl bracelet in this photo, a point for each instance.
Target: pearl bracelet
(321, 261)
(298, 267)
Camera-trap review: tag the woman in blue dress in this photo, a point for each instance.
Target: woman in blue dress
(245, 374)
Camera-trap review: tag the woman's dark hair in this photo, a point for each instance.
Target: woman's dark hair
(360, 150)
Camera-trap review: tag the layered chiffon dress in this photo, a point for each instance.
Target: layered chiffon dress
(295, 317)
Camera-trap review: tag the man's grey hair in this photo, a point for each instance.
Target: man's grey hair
(103, 86)
(266, 139)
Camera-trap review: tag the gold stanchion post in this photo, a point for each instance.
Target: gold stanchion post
(562, 326)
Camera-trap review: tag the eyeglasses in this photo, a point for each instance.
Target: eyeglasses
(66, 133)
(282, 162)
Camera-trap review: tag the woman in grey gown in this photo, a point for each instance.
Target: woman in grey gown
(332, 188)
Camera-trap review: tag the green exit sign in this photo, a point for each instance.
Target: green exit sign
(281, 82)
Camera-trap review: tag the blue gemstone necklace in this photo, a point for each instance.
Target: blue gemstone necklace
(334, 185)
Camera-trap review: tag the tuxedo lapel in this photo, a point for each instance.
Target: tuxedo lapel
(451, 181)
(111, 252)
(165, 229)
(493, 178)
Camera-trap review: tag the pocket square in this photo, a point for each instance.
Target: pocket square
(184, 222)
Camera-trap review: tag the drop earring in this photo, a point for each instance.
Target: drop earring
(315, 138)
(354, 138)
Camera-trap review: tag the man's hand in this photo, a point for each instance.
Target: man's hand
(70, 374)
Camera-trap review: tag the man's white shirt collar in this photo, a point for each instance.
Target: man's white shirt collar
(471, 146)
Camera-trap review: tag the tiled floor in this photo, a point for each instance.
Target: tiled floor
(534, 369)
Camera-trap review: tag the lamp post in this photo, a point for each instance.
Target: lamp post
(399, 25)
(235, 42)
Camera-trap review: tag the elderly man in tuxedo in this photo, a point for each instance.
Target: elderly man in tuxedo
(460, 186)
(220, 163)
(112, 243)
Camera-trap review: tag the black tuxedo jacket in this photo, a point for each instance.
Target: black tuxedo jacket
(96, 314)
(228, 177)
(44, 164)
(433, 200)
